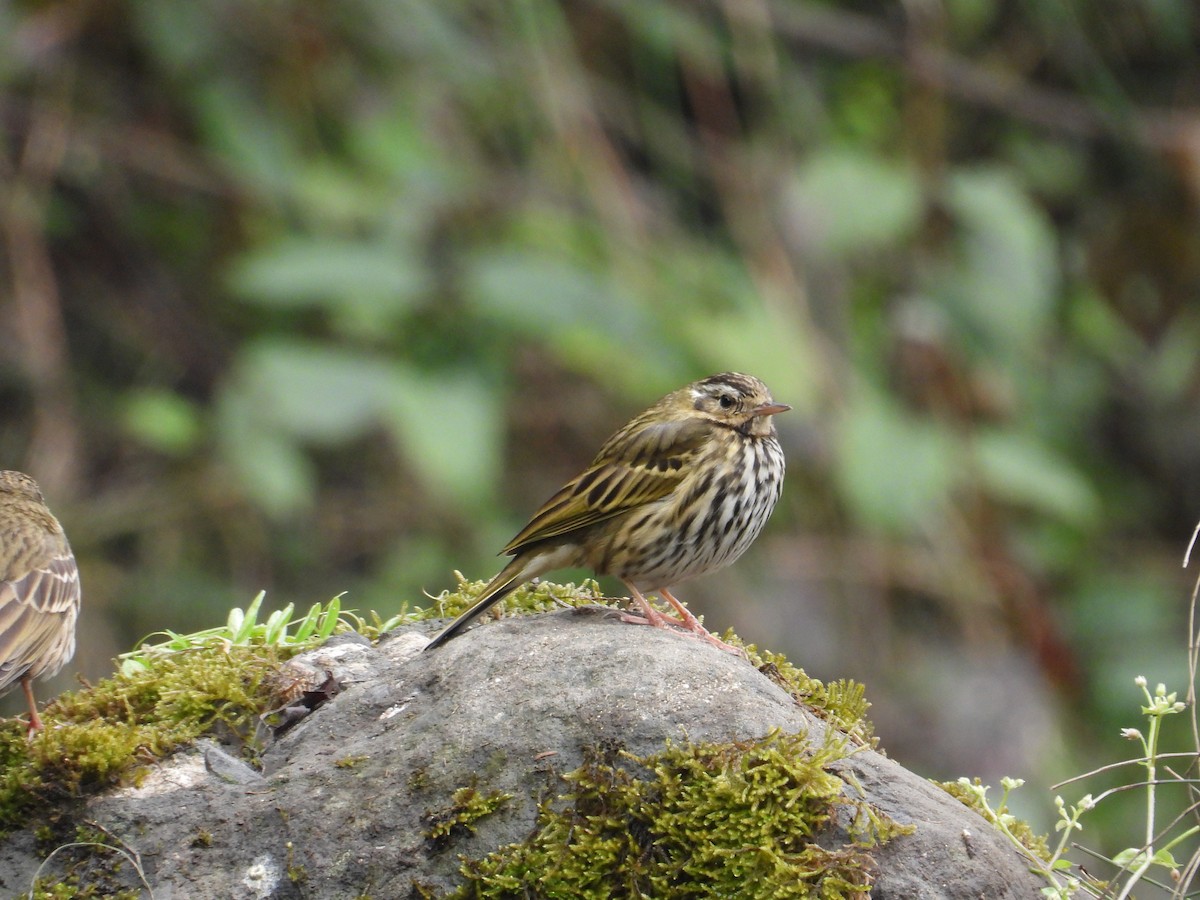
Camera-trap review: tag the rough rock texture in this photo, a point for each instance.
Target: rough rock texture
(341, 807)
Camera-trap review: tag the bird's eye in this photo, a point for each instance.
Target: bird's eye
(726, 401)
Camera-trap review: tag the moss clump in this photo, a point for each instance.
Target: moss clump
(95, 864)
(106, 733)
(741, 819)
(842, 703)
(70, 888)
(543, 596)
(467, 806)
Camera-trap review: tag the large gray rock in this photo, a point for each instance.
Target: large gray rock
(341, 807)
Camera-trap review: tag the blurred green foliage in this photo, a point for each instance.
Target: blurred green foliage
(327, 297)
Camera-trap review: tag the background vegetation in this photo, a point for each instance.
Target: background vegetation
(323, 297)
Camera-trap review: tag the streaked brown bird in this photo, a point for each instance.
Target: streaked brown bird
(39, 590)
(681, 490)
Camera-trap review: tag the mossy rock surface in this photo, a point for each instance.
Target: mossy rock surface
(566, 754)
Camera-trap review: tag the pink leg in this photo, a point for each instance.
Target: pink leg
(35, 721)
(686, 621)
(650, 615)
(692, 624)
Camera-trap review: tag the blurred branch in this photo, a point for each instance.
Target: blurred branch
(38, 325)
(151, 150)
(859, 36)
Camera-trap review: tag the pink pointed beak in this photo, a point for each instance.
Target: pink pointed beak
(769, 409)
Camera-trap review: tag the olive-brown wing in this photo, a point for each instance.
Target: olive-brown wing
(641, 464)
(37, 615)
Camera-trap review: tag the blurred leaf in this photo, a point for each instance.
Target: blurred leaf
(865, 108)
(332, 194)
(896, 472)
(1008, 277)
(317, 393)
(450, 428)
(161, 420)
(542, 294)
(1097, 328)
(283, 393)
(303, 272)
(429, 38)
(583, 318)
(1172, 369)
(1018, 469)
(246, 137)
(846, 202)
(397, 144)
(272, 469)
(1048, 169)
(288, 393)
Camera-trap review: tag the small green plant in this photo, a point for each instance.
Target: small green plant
(1133, 863)
(297, 874)
(93, 844)
(163, 696)
(1138, 860)
(242, 629)
(1159, 843)
(1042, 860)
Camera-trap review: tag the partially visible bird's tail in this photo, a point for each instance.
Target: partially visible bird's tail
(508, 580)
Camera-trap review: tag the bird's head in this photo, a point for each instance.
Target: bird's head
(733, 400)
(18, 484)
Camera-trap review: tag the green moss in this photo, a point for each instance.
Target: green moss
(108, 733)
(702, 820)
(544, 596)
(742, 819)
(296, 872)
(842, 703)
(1032, 841)
(467, 806)
(69, 888)
(94, 865)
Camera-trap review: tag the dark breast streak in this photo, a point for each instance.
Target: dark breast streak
(706, 526)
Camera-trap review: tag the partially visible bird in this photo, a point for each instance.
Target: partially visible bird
(39, 590)
(681, 490)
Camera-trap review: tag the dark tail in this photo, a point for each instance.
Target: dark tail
(510, 578)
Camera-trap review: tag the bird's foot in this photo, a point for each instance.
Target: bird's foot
(706, 635)
(35, 721)
(651, 616)
(693, 626)
(35, 725)
(689, 624)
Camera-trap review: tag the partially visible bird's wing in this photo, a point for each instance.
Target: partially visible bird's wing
(643, 462)
(37, 614)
